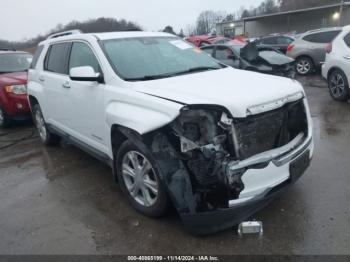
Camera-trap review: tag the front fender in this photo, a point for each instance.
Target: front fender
(143, 117)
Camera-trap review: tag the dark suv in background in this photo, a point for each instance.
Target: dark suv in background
(277, 42)
(309, 49)
(13, 85)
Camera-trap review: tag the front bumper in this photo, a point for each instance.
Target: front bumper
(241, 209)
(16, 106)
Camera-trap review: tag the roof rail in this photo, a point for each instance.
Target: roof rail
(65, 33)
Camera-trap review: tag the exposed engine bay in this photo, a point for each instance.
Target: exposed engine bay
(209, 140)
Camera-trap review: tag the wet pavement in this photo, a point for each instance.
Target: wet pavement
(59, 200)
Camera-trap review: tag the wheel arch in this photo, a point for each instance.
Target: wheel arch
(306, 56)
(32, 101)
(334, 68)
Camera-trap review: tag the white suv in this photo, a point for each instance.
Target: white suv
(175, 125)
(336, 69)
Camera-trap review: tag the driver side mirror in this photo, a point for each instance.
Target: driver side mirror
(85, 73)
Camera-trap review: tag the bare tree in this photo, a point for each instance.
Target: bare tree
(207, 20)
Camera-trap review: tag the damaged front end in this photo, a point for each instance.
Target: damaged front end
(214, 165)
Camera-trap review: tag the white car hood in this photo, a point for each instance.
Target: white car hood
(236, 90)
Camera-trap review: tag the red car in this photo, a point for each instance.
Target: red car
(13, 86)
(203, 40)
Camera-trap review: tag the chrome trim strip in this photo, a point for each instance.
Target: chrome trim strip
(275, 154)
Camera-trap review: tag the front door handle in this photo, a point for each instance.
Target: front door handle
(42, 78)
(347, 57)
(66, 85)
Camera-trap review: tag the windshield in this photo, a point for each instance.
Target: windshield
(10, 63)
(137, 59)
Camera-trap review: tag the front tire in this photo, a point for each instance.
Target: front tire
(338, 86)
(46, 137)
(140, 180)
(4, 121)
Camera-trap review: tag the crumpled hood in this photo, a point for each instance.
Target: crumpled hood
(275, 58)
(236, 90)
(18, 78)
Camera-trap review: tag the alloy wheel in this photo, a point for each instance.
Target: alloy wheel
(303, 67)
(337, 85)
(40, 125)
(140, 178)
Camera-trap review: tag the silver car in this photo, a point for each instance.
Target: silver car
(309, 49)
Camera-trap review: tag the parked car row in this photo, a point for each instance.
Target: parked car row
(307, 49)
(175, 125)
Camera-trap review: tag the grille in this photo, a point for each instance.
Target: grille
(271, 130)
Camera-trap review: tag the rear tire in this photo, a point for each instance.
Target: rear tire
(338, 86)
(304, 65)
(46, 137)
(4, 120)
(140, 180)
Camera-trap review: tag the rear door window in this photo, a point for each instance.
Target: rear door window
(281, 40)
(57, 57)
(269, 41)
(208, 50)
(322, 38)
(347, 40)
(37, 54)
(82, 55)
(224, 53)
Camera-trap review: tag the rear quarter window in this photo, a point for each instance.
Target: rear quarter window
(322, 37)
(57, 58)
(37, 54)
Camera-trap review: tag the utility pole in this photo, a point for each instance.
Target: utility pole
(341, 13)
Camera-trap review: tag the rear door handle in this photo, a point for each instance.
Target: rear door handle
(347, 57)
(66, 85)
(42, 78)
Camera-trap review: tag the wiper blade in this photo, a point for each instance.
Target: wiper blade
(154, 77)
(201, 68)
(145, 78)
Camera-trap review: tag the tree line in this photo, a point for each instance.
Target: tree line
(205, 23)
(89, 26)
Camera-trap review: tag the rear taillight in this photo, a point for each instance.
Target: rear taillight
(329, 48)
(290, 47)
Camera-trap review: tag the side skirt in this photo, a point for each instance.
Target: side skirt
(83, 146)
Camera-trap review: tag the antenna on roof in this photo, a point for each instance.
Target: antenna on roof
(65, 33)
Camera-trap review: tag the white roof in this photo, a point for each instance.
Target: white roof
(107, 36)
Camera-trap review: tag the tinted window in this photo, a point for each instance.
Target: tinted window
(208, 50)
(322, 38)
(56, 59)
(36, 56)
(223, 53)
(269, 41)
(82, 55)
(347, 40)
(284, 40)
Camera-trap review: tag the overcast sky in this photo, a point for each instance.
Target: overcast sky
(22, 19)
